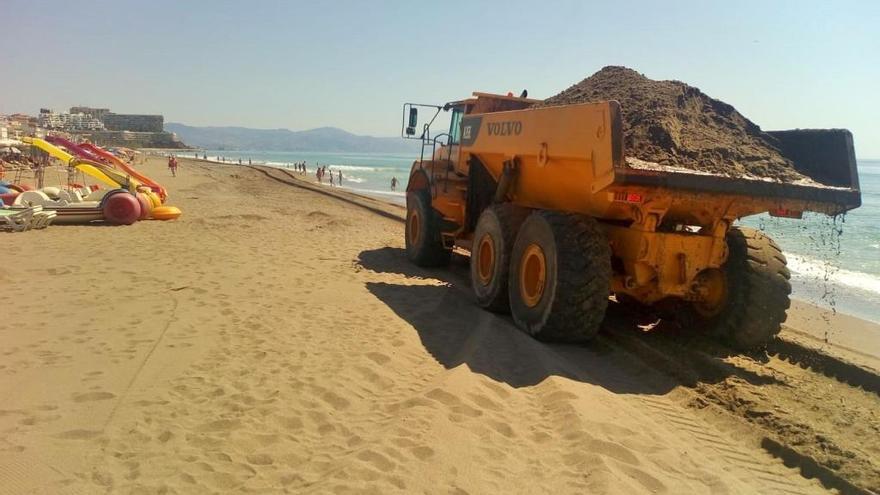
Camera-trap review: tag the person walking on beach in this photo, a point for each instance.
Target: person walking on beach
(249, 161)
(394, 183)
(331, 178)
(340, 178)
(172, 165)
(318, 175)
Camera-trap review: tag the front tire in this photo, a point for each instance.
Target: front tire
(560, 277)
(424, 245)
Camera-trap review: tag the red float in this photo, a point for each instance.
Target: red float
(121, 208)
(9, 198)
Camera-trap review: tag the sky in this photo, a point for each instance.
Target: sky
(352, 64)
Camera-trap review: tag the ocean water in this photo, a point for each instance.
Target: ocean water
(835, 262)
(368, 173)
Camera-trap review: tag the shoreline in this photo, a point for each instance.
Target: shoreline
(393, 197)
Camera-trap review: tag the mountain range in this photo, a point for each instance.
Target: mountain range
(321, 139)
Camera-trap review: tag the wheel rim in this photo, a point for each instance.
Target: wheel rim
(532, 275)
(485, 259)
(415, 225)
(712, 286)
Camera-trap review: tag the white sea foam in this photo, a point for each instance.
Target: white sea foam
(810, 268)
(276, 164)
(400, 194)
(355, 168)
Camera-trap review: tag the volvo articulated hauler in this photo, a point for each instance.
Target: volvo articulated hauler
(557, 217)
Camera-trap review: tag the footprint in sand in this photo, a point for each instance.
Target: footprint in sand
(259, 459)
(291, 423)
(423, 452)
(78, 434)
(378, 358)
(336, 401)
(32, 420)
(220, 425)
(378, 460)
(613, 450)
(92, 396)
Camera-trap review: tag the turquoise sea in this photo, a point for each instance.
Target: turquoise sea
(834, 262)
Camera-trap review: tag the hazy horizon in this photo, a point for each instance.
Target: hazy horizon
(300, 66)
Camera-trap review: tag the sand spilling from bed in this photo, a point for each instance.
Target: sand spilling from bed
(674, 124)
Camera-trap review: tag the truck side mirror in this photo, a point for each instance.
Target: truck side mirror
(413, 121)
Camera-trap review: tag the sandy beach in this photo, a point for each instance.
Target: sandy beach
(275, 340)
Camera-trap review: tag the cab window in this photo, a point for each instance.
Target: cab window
(455, 126)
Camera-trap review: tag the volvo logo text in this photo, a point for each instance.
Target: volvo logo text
(509, 128)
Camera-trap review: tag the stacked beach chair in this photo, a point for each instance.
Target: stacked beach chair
(19, 219)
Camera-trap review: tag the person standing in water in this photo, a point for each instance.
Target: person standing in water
(394, 183)
(340, 178)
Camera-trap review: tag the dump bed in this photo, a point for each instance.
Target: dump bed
(825, 156)
(573, 158)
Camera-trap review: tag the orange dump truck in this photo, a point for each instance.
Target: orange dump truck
(556, 218)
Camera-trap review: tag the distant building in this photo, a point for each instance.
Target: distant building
(69, 121)
(135, 123)
(83, 118)
(99, 125)
(97, 113)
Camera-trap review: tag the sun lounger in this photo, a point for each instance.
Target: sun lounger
(43, 219)
(16, 220)
(21, 218)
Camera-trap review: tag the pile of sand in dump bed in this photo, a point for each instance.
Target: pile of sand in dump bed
(673, 124)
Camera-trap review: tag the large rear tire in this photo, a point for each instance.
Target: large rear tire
(757, 292)
(424, 246)
(560, 277)
(490, 255)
